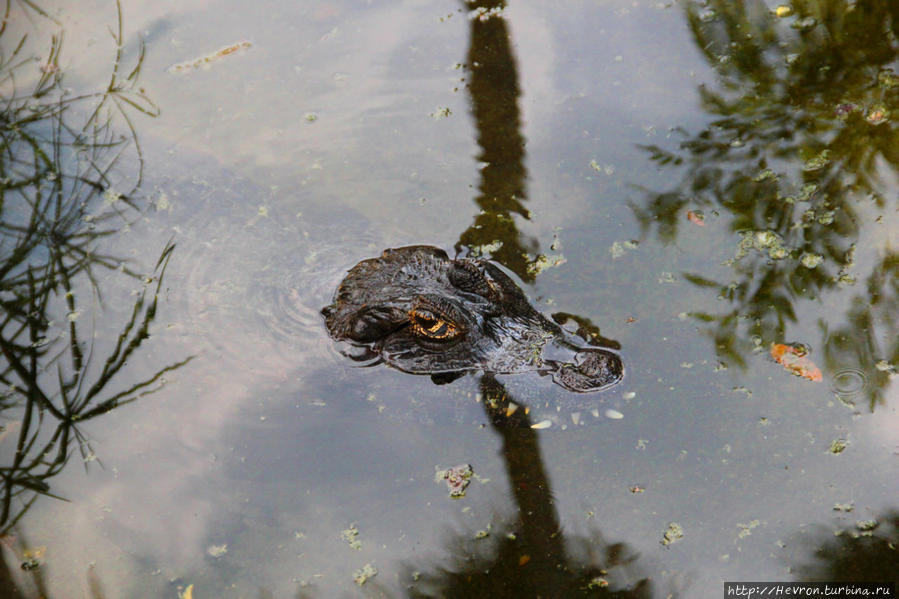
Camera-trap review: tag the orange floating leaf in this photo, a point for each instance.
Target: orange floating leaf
(696, 217)
(795, 359)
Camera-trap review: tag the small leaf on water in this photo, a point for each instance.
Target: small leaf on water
(796, 361)
(696, 217)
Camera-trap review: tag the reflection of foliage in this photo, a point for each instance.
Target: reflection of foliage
(70, 395)
(502, 566)
(805, 111)
(56, 201)
(870, 338)
(856, 555)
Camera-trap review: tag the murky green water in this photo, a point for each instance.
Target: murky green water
(705, 184)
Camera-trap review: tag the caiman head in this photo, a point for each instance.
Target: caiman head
(423, 313)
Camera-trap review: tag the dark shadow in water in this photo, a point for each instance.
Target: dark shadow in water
(867, 551)
(803, 121)
(65, 186)
(528, 555)
(493, 85)
(421, 313)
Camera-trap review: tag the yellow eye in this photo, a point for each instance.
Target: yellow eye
(427, 324)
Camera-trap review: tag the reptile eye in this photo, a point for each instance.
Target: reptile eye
(427, 324)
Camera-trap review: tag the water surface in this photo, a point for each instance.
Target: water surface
(566, 143)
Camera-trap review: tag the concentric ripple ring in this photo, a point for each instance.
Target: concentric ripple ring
(849, 381)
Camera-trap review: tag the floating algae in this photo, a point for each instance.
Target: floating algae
(673, 534)
(457, 478)
(207, 59)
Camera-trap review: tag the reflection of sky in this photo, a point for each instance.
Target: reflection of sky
(235, 450)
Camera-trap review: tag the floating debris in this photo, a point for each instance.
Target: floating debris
(485, 249)
(741, 389)
(350, 535)
(30, 564)
(845, 280)
(783, 11)
(457, 479)
(765, 174)
(636, 489)
(163, 203)
(843, 110)
(310, 117)
(826, 217)
(597, 582)
(602, 168)
(884, 366)
(485, 14)
(441, 112)
(619, 247)
(613, 414)
(111, 196)
(866, 525)
(810, 260)
(33, 558)
(542, 424)
(804, 24)
(838, 446)
(697, 217)
(217, 551)
(746, 529)
(206, 60)
(673, 534)
(818, 161)
(877, 115)
(542, 262)
(768, 241)
(188, 592)
(843, 507)
(795, 359)
(887, 79)
(364, 574)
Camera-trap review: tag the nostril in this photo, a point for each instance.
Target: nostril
(602, 367)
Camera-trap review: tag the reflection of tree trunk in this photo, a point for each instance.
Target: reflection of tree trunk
(538, 523)
(8, 589)
(493, 86)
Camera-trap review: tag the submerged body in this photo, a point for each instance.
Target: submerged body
(424, 313)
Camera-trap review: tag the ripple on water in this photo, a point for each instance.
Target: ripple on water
(250, 277)
(252, 273)
(848, 382)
